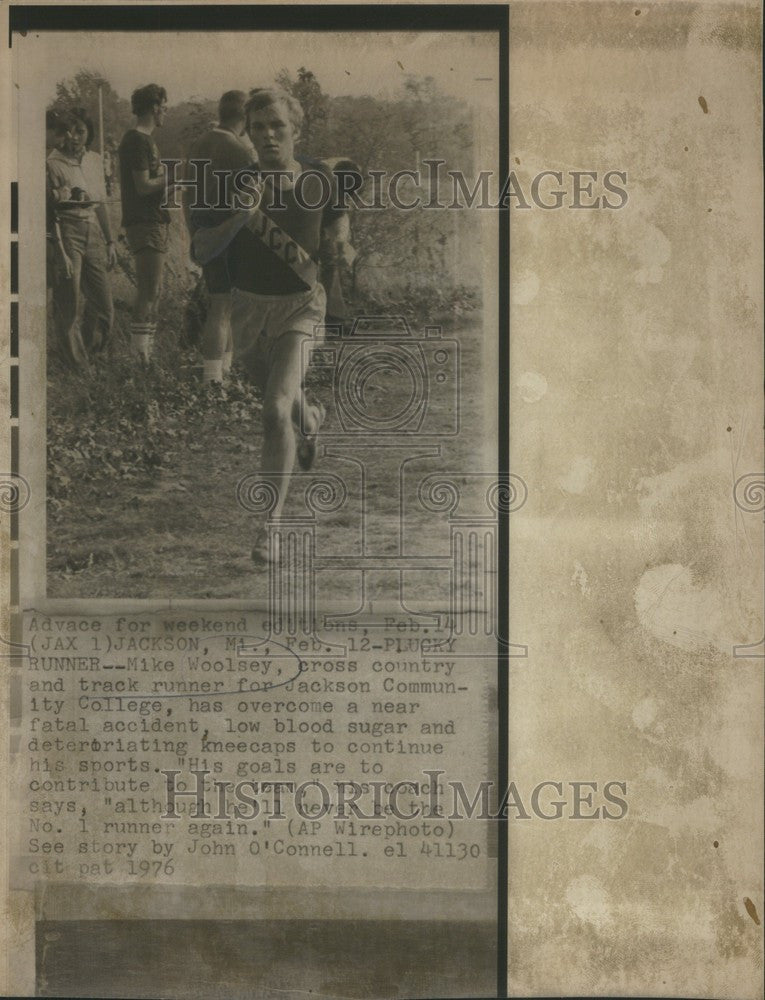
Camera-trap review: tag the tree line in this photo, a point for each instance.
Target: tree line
(416, 254)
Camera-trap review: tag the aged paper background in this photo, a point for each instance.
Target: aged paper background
(636, 410)
(641, 573)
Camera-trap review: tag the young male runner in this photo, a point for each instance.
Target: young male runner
(277, 301)
(142, 187)
(224, 150)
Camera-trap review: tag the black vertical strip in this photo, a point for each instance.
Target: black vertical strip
(14, 207)
(491, 825)
(15, 701)
(14, 577)
(14, 329)
(14, 268)
(14, 518)
(14, 472)
(14, 451)
(14, 391)
(503, 462)
(16, 634)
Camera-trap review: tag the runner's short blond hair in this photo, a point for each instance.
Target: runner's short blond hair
(265, 97)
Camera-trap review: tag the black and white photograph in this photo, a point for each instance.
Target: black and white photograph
(180, 418)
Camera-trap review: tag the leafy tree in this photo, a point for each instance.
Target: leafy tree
(183, 124)
(82, 91)
(314, 102)
(398, 135)
(415, 250)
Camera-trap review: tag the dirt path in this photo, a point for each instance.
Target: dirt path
(182, 534)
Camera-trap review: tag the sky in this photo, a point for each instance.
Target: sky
(191, 64)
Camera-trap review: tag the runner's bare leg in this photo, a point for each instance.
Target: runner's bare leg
(283, 390)
(305, 415)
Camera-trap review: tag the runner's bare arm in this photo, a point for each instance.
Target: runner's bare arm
(208, 243)
(336, 239)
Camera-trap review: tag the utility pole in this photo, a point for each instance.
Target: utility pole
(101, 118)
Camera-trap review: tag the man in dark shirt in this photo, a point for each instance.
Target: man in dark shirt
(272, 253)
(224, 148)
(143, 186)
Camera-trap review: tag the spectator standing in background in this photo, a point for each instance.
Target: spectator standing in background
(143, 187)
(225, 147)
(53, 139)
(82, 234)
(52, 134)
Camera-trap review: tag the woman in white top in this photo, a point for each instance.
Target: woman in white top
(82, 295)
